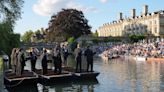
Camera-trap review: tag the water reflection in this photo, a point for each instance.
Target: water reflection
(28, 88)
(118, 75)
(85, 86)
(122, 75)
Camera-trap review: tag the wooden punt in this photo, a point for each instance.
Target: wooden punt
(86, 82)
(54, 78)
(83, 74)
(13, 80)
(86, 75)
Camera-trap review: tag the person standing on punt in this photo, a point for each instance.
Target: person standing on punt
(89, 55)
(64, 52)
(57, 59)
(13, 60)
(78, 54)
(20, 62)
(44, 62)
(33, 59)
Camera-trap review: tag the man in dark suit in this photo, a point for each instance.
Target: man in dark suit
(89, 55)
(22, 60)
(33, 59)
(44, 62)
(64, 54)
(57, 59)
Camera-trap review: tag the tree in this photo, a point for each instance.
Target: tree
(136, 38)
(71, 40)
(9, 39)
(95, 34)
(27, 36)
(4, 36)
(34, 36)
(67, 23)
(10, 11)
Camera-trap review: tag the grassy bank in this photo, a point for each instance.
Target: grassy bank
(1, 64)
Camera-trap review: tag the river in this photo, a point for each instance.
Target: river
(118, 75)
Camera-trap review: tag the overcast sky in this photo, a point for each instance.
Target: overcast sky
(37, 13)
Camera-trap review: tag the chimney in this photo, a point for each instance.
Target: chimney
(145, 10)
(120, 16)
(133, 13)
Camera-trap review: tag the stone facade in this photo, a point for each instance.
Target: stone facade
(146, 23)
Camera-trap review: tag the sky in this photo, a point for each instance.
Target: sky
(37, 13)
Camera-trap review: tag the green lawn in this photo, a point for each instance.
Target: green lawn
(1, 64)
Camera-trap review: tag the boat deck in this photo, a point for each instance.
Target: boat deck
(83, 74)
(51, 76)
(12, 80)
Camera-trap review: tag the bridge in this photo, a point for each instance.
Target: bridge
(39, 46)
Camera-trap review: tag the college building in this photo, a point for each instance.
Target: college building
(144, 24)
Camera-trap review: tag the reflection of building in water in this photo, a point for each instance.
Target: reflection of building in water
(146, 23)
(136, 76)
(155, 78)
(148, 77)
(122, 74)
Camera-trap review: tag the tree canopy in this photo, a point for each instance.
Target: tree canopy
(10, 11)
(67, 23)
(27, 36)
(34, 36)
(8, 38)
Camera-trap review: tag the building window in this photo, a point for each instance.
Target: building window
(155, 30)
(150, 29)
(155, 22)
(141, 27)
(150, 22)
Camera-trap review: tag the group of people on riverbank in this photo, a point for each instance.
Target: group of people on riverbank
(143, 49)
(58, 55)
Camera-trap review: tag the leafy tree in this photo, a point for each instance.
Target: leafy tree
(10, 11)
(136, 38)
(37, 32)
(27, 36)
(95, 34)
(67, 23)
(39, 36)
(4, 36)
(71, 40)
(8, 38)
(95, 41)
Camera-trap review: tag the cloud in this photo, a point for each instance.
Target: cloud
(48, 7)
(82, 7)
(104, 1)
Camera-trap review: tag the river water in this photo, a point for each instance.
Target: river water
(118, 75)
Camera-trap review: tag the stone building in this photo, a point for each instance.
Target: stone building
(145, 24)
